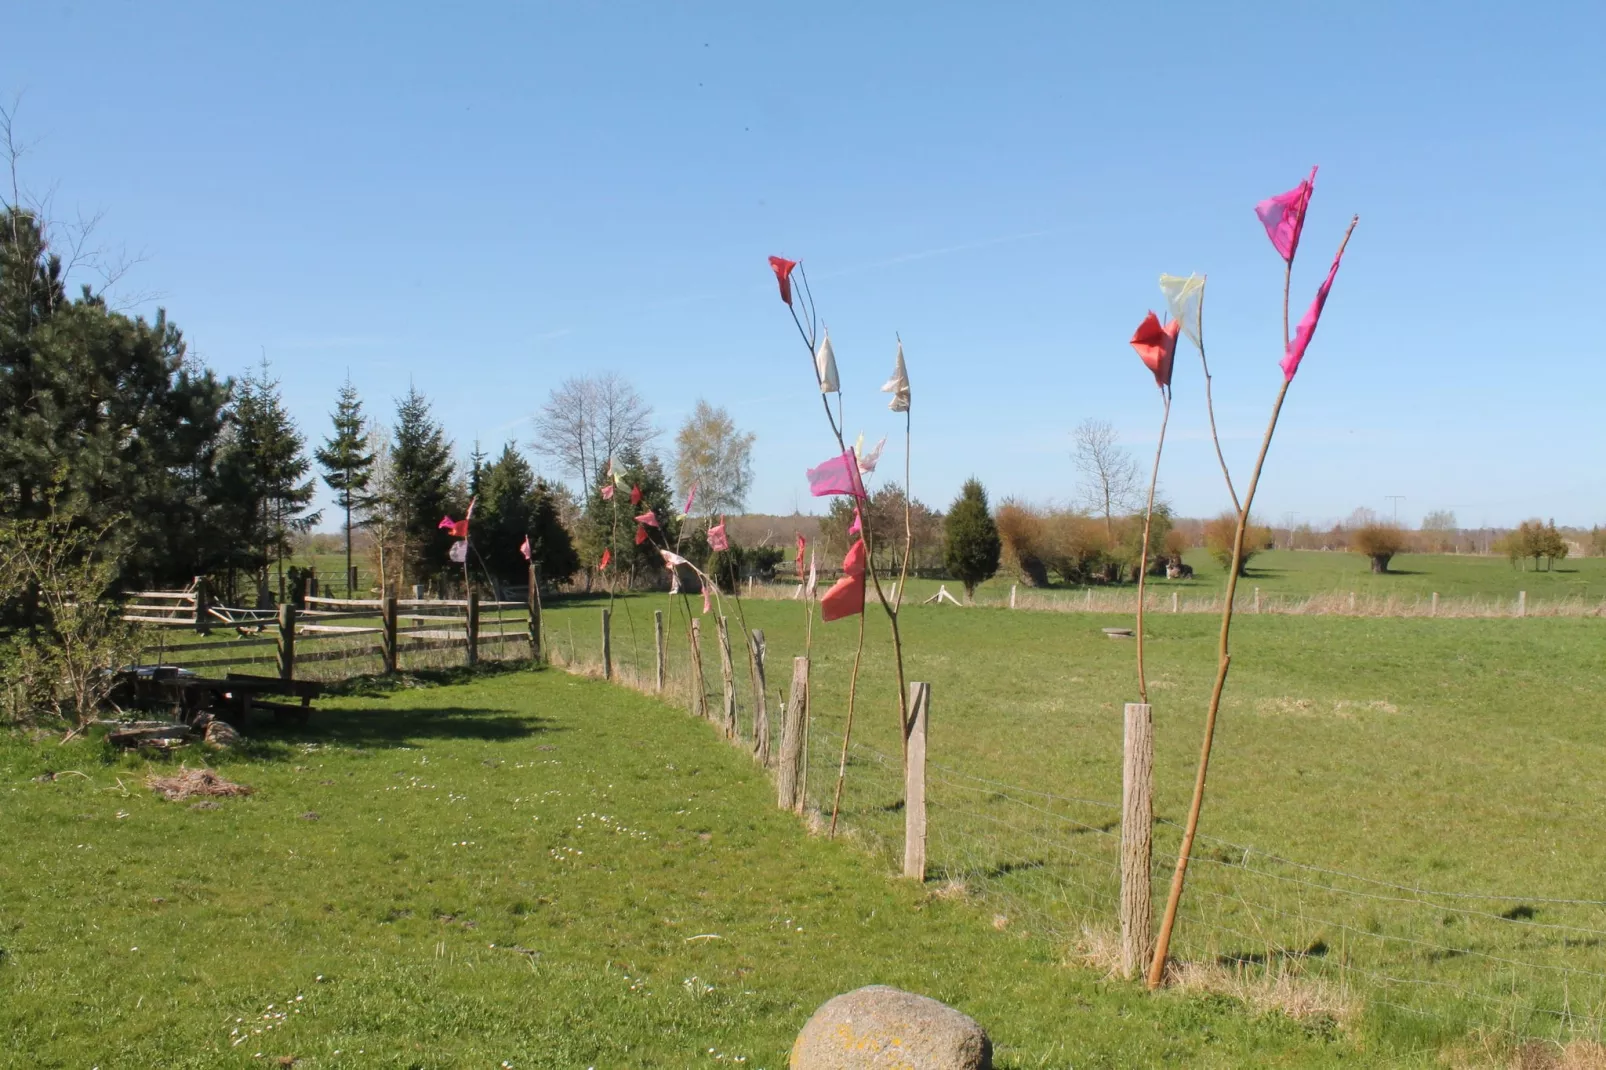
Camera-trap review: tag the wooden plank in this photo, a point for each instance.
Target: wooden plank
(216, 644)
(188, 622)
(190, 595)
(914, 783)
(336, 629)
(1137, 825)
(372, 603)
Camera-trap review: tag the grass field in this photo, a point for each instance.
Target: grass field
(1405, 807)
(526, 870)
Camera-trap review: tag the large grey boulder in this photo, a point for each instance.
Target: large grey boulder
(879, 1028)
(220, 735)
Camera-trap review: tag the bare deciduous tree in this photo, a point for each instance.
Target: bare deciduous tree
(712, 455)
(587, 420)
(1110, 477)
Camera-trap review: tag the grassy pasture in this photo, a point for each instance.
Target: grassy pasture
(1364, 767)
(526, 870)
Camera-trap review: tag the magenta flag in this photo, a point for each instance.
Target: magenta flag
(1283, 216)
(858, 523)
(1307, 326)
(839, 475)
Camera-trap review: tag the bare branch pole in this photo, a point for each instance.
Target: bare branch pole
(1224, 662)
(1143, 557)
(1210, 404)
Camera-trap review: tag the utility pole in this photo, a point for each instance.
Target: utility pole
(1396, 499)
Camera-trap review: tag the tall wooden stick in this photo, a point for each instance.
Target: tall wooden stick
(1224, 662)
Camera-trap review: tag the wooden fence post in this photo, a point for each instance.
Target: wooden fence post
(351, 582)
(1137, 824)
(727, 672)
(1257, 599)
(699, 692)
(914, 784)
(1433, 607)
(790, 789)
(1352, 601)
(607, 647)
(761, 702)
(533, 605)
(203, 617)
(1522, 603)
(658, 645)
(471, 654)
(387, 638)
(1012, 596)
(1176, 601)
(287, 641)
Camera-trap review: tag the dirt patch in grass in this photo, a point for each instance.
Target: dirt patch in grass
(190, 783)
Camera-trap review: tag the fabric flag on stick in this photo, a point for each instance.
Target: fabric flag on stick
(814, 575)
(641, 534)
(1283, 216)
(457, 529)
(459, 551)
(690, 497)
(607, 492)
(1185, 298)
(898, 385)
(868, 461)
(717, 540)
(825, 367)
(1156, 346)
(839, 475)
(635, 495)
(706, 606)
(799, 561)
(858, 522)
(783, 275)
(649, 518)
(607, 555)
(671, 559)
(846, 596)
(1307, 326)
(524, 548)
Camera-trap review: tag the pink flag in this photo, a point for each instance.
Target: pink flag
(1307, 326)
(607, 555)
(858, 522)
(839, 475)
(783, 275)
(647, 518)
(846, 596)
(641, 534)
(457, 529)
(524, 548)
(1283, 216)
(635, 495)
(716, 537)
(690, 497)
(607, 492)
(706, 606)
(1156, 347)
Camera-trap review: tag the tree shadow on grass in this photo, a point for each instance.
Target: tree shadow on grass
(399, 726)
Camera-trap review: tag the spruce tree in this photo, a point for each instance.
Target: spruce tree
(422, 471)
(346, 461)
(971, 547)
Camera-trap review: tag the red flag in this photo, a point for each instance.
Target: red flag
(846, 596)
(1156, 346)
(649, 518)
(635, 495)
(641, 534)
(607, 555)
(524, 548)
(783, 275)
(457, 529)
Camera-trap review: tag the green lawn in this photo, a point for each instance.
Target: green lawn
(525, 870)
(1461, 756)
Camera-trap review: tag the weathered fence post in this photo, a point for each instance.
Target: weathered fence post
(1257, 599)
(607, 647)
(1433, 607)
(1352, 601)
(1522, 603)
(699, 692)
(287, 641)
(790, 789)
(532, 603)
(203, 615)
(351, 582)
(387, 637)
(761, 702)
(914, 784)
(471, 652)
(1012, 596)
(1090, 598)
(658, 644)
(1176, 601)
(1137, 823)
(727, 672)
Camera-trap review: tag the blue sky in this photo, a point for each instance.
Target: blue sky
(486, 203)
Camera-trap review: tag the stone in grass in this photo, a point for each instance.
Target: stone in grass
(220, 735)
(881, 1027)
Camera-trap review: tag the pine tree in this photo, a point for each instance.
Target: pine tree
(347, 462)
(972, 548)
(610, 525)
(422, 473)
(506, 492)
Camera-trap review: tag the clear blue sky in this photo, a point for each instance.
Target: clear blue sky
(487, 203)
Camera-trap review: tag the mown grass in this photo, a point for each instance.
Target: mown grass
(525, 870)
(1458, 756)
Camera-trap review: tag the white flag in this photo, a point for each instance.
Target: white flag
(813, 575)
(1185, 298)
(898, 385)
(825, 367)
(459, 551)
